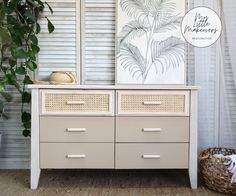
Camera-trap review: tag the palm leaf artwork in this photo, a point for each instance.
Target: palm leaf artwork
(167, 53)
(150, 18)
(138, 9)
(132, 60)
(168, 24)
(160, 8)
(132, 30)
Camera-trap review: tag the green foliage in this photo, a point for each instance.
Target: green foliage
(19, 48)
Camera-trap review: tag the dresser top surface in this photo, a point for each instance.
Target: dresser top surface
(114, 87)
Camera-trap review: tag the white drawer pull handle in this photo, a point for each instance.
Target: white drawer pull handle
(151, 129)
(75, 102)
(151, 156)
(70, 156)
(76, 129)
(151, 103)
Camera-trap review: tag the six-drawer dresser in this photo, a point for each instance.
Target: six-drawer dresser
(113, 127)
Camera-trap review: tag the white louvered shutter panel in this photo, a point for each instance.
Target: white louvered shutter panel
(98, 34)
(60, 50)
(228, 76)
(15, 148)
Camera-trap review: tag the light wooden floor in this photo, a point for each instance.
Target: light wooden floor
(101, 183)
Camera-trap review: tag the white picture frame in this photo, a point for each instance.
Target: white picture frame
(150, 53)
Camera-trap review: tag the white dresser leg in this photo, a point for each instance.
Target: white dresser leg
(35, 175)
(35, 168)
(193, 160)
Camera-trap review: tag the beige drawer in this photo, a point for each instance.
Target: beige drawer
(74, 155)
(151, 156)
(76, 129)
(163, 103)
(74, 102)
(152, 129)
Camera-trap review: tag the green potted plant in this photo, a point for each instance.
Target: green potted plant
(19, 47)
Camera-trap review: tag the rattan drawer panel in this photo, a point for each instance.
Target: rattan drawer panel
(151, 156)
(76, 155)
(76, 129)
(77, 102)
(152, 129)
(170, 103)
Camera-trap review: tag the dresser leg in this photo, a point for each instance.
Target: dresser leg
(35, 168)
(35, 175)
(193, 179)
(193, 145)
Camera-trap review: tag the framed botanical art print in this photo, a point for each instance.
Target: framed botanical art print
(150, 46)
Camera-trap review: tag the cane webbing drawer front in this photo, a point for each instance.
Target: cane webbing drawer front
(166, 103)
(152, 129)
(76, 155)
(76, 129)
(77, 102)
(151, 156)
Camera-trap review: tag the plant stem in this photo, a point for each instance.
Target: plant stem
(148, 50)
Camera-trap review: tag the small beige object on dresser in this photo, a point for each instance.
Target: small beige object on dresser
(113, 127)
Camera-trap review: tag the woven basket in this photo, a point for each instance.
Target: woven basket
(214, 173)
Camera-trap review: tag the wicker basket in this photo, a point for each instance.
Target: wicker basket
(214, 173)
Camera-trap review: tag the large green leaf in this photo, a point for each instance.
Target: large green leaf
(50, 26)
(26, 97)
(27, 125)
(12, 62)
(133, 29)
(7, 10)
(30, 16)
(11, 77)
(26, 133)
(35, 48)
(25, 117)
(38, 28)
(31, 65)
(21, 53)
(167, 53)
(27, 80)
(34, 39)
(31, 2)
(20, 70)
(5, 37)
(11, 20)
(132, 59)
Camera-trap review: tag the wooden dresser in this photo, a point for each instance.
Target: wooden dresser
(113, 127)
